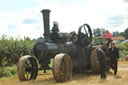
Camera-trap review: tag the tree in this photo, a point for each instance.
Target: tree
(98, 32)
(38, 39)
(122, 34)
(126, 33)
(115, 34)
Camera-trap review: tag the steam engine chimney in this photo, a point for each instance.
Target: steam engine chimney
(46, 15)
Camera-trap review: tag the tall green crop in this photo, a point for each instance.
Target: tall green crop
(11, 49)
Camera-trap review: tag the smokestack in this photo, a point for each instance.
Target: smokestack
(46, 15)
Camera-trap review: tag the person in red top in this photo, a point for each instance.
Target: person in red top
(108, 37)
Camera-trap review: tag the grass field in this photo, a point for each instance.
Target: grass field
(77, 79)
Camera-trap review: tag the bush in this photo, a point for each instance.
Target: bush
(123, 48)
(8, 71)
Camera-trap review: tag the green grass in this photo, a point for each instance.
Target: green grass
(8, 71)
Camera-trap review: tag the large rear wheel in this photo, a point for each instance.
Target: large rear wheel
(95, 65)
(62, 67)
(27, 68)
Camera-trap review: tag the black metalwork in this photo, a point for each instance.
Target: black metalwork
(79, 49)
(46, 15)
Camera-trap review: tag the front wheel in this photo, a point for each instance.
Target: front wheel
(62, 67)
(27, 68)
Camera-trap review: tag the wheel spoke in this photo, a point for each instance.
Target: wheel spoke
(28, 69)
(85, 30)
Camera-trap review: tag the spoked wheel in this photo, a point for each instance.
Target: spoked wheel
(62, 67)
(27, 68)
(85, 35)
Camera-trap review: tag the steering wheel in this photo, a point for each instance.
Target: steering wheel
(85, 35)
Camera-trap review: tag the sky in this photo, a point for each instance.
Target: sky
(23, 17)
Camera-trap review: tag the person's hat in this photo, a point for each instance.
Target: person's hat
(94, 47)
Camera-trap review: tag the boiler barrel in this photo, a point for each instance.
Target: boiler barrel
(49, 50)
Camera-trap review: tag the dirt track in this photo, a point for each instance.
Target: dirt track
(77, 79)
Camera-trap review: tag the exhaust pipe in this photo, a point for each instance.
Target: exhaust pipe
(45, 13)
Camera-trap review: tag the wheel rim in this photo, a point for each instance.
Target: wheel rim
(27, 68)
(62, 68)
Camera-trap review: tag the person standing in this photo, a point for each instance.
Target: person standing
(102, 61)
(114, 56)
